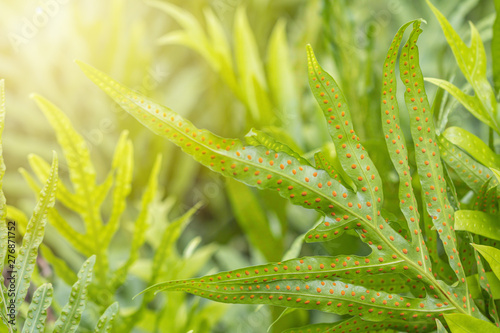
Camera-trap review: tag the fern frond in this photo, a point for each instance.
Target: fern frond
(71, 313)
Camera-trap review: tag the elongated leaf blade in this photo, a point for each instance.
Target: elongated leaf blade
(140, 225)
(259, 138)
(123, 163)
(473, 173)
(42, 170)
(25, 262)
(37, 312)
(477, 222)
(473, 146)
(352, 155)
(255, 166)
(105, 323)
(460, 323)
(471, 103)
(170, 235)
(81, 170)
(71, 314)
(396, 144)
(251, 69)
(492, 256)
(356, 324)
(319, 293)
(427, 153)
(472, 63)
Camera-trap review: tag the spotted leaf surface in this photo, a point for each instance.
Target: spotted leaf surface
(105, 323)
(492, 256)
(257, 138)
(72, 312)
(359, 325)
(255, 166)
(472, 145)
(487, 199)
(477, 222)
(422, 130)
(322, 162)
(398, 251)
(308, 268)
(396, 144)
(430, 168)
(325, 295)
(352, 155)
(37, 312)
(484, 282)
(473, 173)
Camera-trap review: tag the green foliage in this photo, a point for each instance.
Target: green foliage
(24, 263)
(345, 285)
(91, 201)
(251, 81)
(472, 62)
(431, 265)
(460, 323)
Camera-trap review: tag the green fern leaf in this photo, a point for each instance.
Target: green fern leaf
(78, 240)
(321, 281)
(396, 144)
(360, 325)
(495, 47)
(460, 323)
(319, 292)
(81, 170)
(123, 163)
(473, 173)
(352, 155)
(140, 225)
(105, 323)
(25, 262)
(37, 312)
(42, 169)
(322, 162)
(472, 145)
(71, 314)
(472, 62)
(477, 222)
(170, 235)
(259, 138)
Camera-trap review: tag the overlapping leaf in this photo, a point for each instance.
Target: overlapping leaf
(256, 166)
(472, 62)
(473, 173)
(334, 284)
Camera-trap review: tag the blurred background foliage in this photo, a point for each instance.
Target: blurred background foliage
(229, 66)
